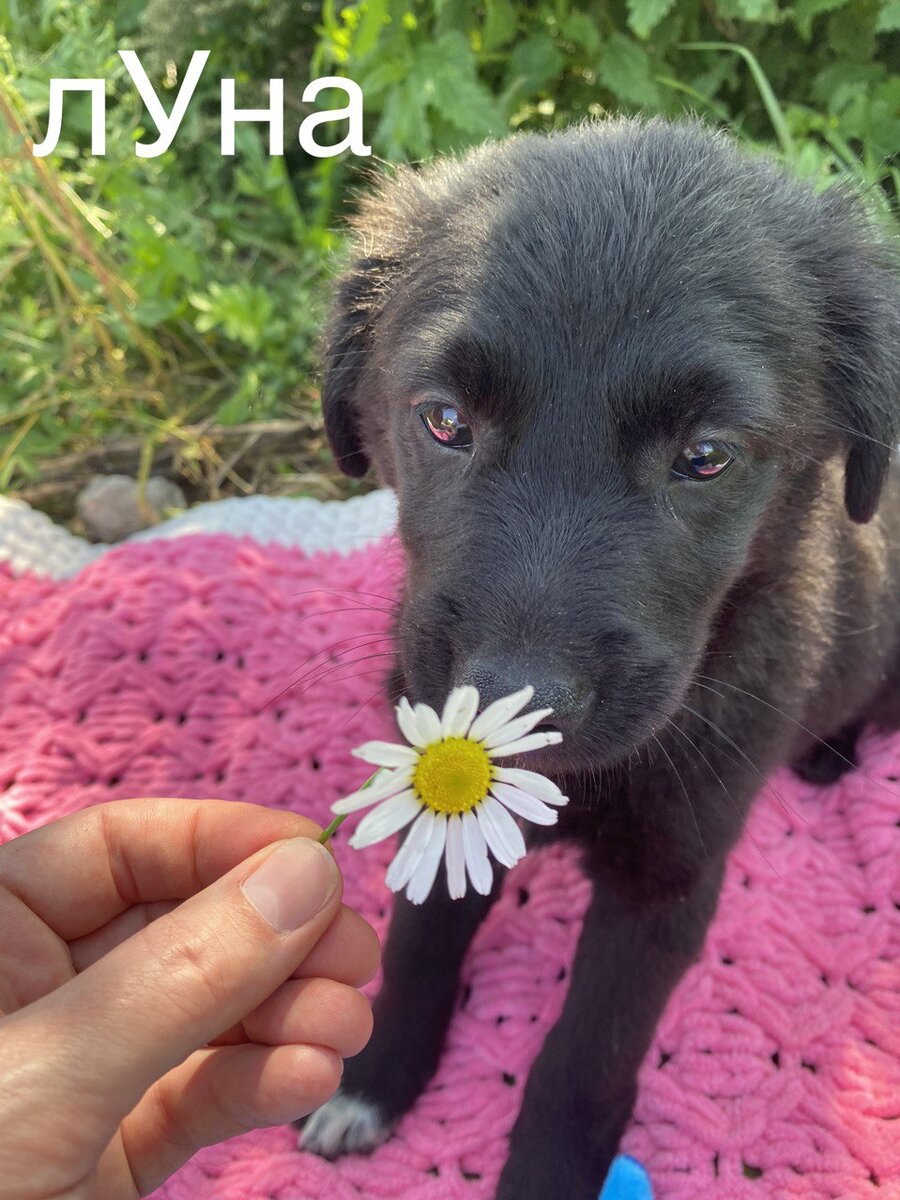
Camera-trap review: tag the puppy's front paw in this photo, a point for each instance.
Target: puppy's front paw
(345, 1125)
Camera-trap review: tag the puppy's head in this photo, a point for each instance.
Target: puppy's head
(594, 366)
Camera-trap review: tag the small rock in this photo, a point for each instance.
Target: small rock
(109, 507)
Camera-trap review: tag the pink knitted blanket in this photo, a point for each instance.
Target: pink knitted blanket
(214, 666)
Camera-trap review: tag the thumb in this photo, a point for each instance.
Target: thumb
(180, 982)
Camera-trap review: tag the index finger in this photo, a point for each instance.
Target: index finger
(79, 872)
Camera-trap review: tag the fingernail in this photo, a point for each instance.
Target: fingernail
(293, 884)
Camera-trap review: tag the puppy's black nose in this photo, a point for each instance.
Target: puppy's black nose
(497, 675)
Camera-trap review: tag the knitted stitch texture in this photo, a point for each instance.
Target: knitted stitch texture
(214, 666)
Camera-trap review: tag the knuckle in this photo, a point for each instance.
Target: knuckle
(194, 963)
(350, 1017)
(369, 959)
(363, 1026)
(325, 1070)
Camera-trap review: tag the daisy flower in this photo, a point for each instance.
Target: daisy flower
(448, 785)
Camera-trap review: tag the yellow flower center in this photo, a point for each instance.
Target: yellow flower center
(452, 776)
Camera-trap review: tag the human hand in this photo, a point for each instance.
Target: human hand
(153, 998)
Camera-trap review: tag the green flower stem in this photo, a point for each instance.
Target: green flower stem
(326, 833)
(338, 821)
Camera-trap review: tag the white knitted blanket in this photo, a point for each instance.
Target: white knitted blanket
(30, 541)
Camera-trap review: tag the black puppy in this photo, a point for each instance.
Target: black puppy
(637, 393)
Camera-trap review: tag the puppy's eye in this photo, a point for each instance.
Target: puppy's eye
(702, 460)
(446, 426)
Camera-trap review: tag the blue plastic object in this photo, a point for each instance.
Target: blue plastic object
(627, 1180)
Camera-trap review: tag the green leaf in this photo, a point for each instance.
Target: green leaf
(804, 12)
(645, 15)
(150, 312)
(753, 10)
(469, 106)
(373, 18)
(385, 74)
(888, 17)
(500, 24)
(850, 35)
(812, 161)
(882, 129)
(446, 78)
(532, 65)
(580, 29)
(403, 128)
(233, 410)
(841, 84)
(625, 69)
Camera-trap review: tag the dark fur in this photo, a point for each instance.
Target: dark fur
(594, 301)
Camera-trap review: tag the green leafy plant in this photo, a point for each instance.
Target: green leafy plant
(815, 80)
(139, 295)
(145, 296)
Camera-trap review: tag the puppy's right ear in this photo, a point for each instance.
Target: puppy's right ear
(860, 273)
(347, 350)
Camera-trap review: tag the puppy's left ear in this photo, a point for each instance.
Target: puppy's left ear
(347, 350)
(862, 348)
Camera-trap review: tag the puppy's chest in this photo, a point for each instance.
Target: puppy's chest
(642, 854)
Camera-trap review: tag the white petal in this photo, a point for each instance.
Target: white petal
(534, 741)
(429, 723)
(386, 819)
(475, 848)
(386, 754)
(459, 711)
(409, 724)
(385, 784)
(509, 731)
(456, 858)
(502, 834)
(499, 713)
(423, 876)
(529, 781)
(524, 805)
(408, 856)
